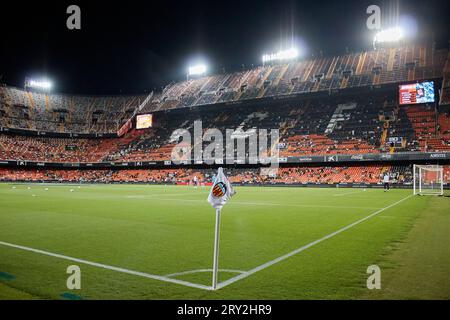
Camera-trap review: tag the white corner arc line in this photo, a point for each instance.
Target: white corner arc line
(202, 270)
(298, 250)
(105, 266)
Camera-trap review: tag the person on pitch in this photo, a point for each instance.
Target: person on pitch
(386, 182)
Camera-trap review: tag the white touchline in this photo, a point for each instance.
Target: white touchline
(105, 266)
(290, 254)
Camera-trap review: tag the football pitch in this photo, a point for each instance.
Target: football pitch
(156, 242)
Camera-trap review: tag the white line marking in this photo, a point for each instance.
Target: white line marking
(290, 254)
(202, 270)
(223, 284)
(347, 193)
(270, 204)
(104, 266)
(152, 195)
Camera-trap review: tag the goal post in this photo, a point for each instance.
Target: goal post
(428, 179)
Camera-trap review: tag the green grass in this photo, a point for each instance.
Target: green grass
(162, 230)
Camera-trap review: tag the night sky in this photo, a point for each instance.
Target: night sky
(142, 45)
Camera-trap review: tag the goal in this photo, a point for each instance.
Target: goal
(428, 180)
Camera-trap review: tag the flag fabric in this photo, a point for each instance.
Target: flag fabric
(221, 190)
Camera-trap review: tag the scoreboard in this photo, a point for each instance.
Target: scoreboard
(415, 93)
(144, 121)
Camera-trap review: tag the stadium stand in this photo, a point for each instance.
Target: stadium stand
(360, 175)
(63, 113)
(299, 99)
(322, 126)
(81, 114)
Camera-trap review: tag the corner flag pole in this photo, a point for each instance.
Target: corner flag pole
(216, 251)
(220, 192)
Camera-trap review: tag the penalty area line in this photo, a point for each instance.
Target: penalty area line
(309, 245)
(108, 267)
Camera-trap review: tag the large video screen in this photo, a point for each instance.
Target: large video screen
(144, 121)
(414, 93)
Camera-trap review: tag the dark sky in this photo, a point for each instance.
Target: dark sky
(136, 46)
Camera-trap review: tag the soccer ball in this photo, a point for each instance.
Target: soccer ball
(71, 190)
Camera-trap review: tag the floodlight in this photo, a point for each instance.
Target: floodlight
(281, 55)
(42, 84)
(389, 35)
(197, 70)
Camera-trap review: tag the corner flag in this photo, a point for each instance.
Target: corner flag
(220, 192)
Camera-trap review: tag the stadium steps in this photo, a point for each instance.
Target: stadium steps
(30, 110)
(330, 72)
(30, 99)
(391, 59)
(239, 95)
(422, 57)
(376, 79)
(90, 108)
(307, 73)
(266, 72)
(244, 78)
(47, 103)
(361, 62)
(385, 133)
(7, 106)
(344, 83)
(280, 76)
(261, 81)
(205, 85)
(316, 86)
(411, 74)
(283, 73)
(71, 109)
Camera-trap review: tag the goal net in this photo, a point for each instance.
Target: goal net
(428, 179)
